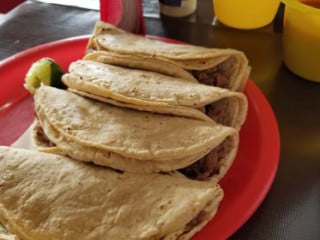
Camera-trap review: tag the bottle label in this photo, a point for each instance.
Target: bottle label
(175, 3)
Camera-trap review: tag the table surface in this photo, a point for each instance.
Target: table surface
(291, 209)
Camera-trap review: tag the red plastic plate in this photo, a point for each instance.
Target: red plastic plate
(246, 183)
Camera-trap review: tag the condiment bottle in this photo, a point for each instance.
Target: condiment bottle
(177, 8)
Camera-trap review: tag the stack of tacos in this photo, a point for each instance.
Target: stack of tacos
(140, 121)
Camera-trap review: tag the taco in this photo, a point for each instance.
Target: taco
(48, 196)
(130, 140)
(155, 92)
(226, 68)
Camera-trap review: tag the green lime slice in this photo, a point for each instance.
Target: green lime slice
(44, 71)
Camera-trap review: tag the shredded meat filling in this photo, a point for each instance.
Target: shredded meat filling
(215, 76)
(201, 217)
(218, 111)
(41, 137)
(208, 165)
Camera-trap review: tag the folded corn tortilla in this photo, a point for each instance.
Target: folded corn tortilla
(140, 62)
(150, 91)
(227, 68)
(48, 196)
(133, 141)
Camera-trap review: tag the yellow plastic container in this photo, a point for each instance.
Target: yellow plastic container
(246, 14)
(301, 38)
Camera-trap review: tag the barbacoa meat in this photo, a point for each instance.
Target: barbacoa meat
(215, 76)
(208, 165)
(218, 111)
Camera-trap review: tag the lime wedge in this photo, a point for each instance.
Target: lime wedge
(44, 71)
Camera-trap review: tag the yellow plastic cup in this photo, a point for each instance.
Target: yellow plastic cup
(301, 38)
(246, 14)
